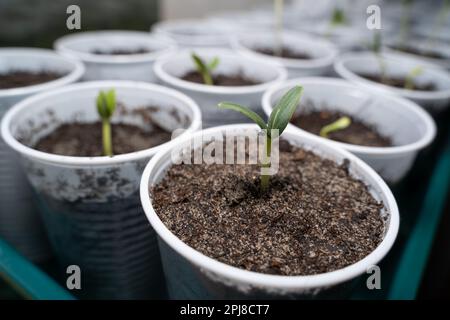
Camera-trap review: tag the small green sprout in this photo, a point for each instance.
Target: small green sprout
(409, 80)
(338, 17)
(106, 105)
(205, 69)
(278, 120)
(278, 12)
(340, 124)
(439, 23)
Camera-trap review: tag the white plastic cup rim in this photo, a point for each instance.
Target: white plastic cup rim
(408, 106)
(73, 76)
(160, 72)
(266, 280)
(432, 69)
(61, 45)
(316, 62)
(93, 161)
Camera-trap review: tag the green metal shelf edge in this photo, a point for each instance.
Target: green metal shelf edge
(412, 263)
(26, 278)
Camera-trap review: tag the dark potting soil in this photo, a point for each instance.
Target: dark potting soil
(121, 51)
(85, 139)
(285, 53)
(422, 53)
(234, 80)
(315, 217)
(398, 82)
(357, 132)
(20, 78)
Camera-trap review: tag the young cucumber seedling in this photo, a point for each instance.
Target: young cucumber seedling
(409, 80)
(340, 124)
(376, 48)
(205, 69)
(278, 121)
(106, 105)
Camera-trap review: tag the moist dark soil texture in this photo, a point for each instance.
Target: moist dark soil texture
(285, 53)
(19, 78)
(423, 53)
(121, 51)
(357, 132)
(85, 139)
(315, 218)
(234, 80)
(398, 82)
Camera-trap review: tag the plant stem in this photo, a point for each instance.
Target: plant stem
(207, 79)
(266, 163)
(107, 140)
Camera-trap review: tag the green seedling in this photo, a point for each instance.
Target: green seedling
(278, 121)
(409, 80)
(340, 124)
(106, 105)
(205, 69)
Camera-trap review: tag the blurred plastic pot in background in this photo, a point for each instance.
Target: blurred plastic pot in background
(115, 55)
(19, 222)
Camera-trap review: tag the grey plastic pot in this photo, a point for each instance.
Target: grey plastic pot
(408, 126)
(90, 205)
(19, 222)
(193, 275)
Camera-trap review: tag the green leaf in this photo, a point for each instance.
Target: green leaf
(285, 108)
(339, 124)
(245, 111)
(338, 17)
(202, 69)
(213, 63)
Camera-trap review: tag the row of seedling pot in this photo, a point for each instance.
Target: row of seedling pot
(217, 230)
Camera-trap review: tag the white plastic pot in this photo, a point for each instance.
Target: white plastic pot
(192, 275)
(137, 67)
(194, 33)
(322, 52)
(90, 205)
(19, 223)
(408, 126)
(349, 66)
(169, 71)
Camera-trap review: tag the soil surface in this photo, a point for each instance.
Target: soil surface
(357, 132)
(234, 80)
(285, 53)
(314, 218)
(398, 82)
(423, 53)
(20, 78)
(121, 51)
(85, 139)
